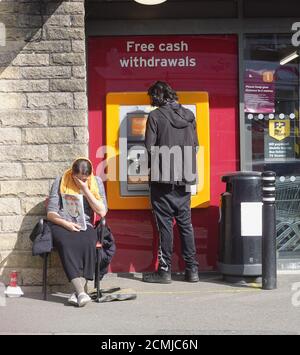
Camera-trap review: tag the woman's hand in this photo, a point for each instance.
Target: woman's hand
(72, 227)
(57, 219)
(82, 185)
(96, 205)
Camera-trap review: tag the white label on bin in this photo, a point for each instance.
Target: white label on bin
(251, 219)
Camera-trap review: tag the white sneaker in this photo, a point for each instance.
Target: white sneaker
(83, 299)
(73, 299)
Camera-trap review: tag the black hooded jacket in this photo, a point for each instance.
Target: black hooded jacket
(172, 127)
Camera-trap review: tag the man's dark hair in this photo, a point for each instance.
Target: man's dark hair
(82, 166)
(160, 93)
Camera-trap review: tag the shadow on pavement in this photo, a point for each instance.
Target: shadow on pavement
(211, 277)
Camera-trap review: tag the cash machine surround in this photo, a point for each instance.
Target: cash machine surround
(126, 119)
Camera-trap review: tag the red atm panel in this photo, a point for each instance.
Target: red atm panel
(204, 63)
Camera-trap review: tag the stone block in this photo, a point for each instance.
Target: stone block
(50, 101)
(49, 47)
(18, 224)
(68, 33)
(24, 153)
(10, 170)
(26, 188)
(68, 118)
(67, 85)
(80, 101)
(10, 72)
(24, 86)
(78, 46)
(49, 135)
(68, 58)
(79, 71)
(19, 259)
(8, 241)
(10, 206)
(67, 152)
(72, 8)
(31, 60)
(44, 170)
(10, 136)
(33, 206)
(46, 72)
(81, 135)
(23, 118)
(12, 101)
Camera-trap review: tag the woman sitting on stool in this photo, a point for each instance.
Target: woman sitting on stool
(77, 248)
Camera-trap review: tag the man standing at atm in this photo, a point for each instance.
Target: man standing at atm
(171, 141)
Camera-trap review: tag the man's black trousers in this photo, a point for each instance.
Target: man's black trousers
(169, 202)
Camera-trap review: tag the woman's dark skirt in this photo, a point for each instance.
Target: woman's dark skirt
(77, 251)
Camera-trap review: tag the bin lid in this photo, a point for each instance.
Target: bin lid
(242, 174)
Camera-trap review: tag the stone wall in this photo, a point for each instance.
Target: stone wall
(43, 120)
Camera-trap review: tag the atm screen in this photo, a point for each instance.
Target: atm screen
(136, 125)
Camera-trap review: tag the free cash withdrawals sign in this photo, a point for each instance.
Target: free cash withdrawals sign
(161, 57)
(141, 54)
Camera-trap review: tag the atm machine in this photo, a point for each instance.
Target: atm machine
(137, 159)
(133, 156)
(126, 121)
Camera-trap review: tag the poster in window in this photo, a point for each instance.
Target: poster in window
(279, 143)
(259, 91)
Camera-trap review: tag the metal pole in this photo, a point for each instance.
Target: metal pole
(99, 246)
(269, 262)
(45, 269)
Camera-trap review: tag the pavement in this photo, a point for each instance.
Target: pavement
(211, 306)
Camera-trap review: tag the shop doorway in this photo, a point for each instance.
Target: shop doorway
(272, 131)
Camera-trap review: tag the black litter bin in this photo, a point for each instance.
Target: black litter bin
(240, 254)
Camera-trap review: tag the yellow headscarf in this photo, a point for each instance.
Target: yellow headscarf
(68, 185)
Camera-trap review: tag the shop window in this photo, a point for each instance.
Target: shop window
(272, 126)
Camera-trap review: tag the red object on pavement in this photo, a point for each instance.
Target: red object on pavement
(13, 279)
